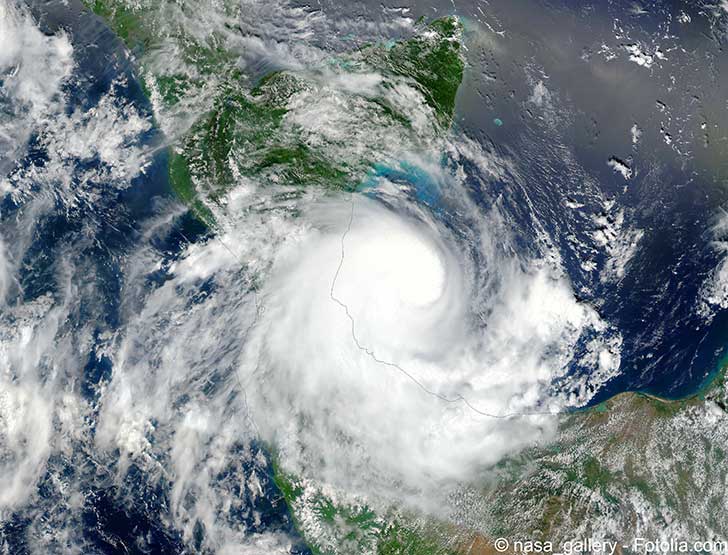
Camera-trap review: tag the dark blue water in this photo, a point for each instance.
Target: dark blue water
(669, 349)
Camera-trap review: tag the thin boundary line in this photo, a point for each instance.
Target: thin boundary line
(369, 352)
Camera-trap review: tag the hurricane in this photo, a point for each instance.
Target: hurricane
(360, 279)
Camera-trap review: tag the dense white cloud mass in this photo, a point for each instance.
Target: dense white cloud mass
(714, 291)
(391, 352)
(33, 67)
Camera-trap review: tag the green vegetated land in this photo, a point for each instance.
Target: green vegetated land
(331, 527)
(254, 133)
(633, 461)
(263, 132)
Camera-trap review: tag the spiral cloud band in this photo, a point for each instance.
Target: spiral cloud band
(390, 347)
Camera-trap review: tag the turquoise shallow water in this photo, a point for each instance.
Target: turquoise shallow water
(425, 187)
